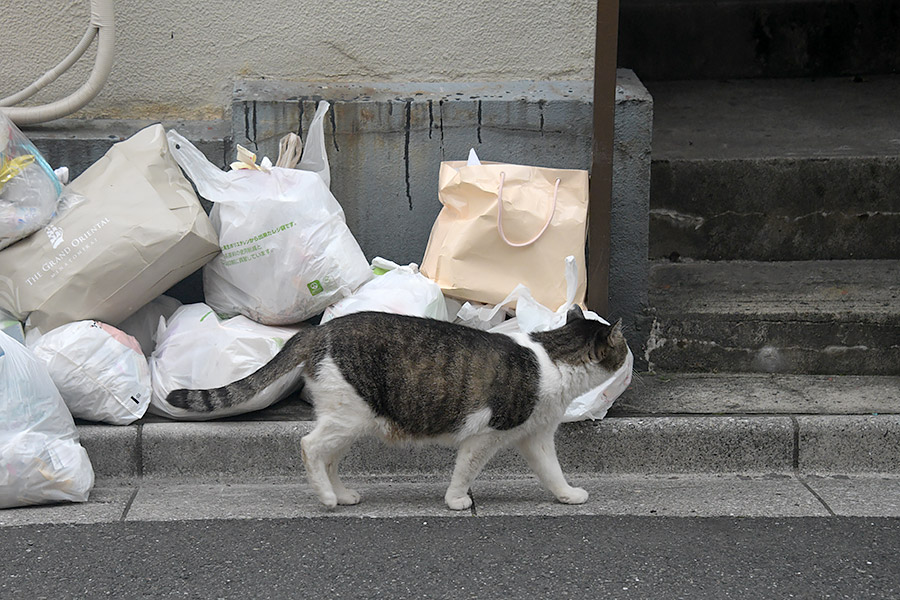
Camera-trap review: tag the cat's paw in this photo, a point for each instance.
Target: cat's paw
(458, 502)
(329, 499)
(573, 495)
(348, 497)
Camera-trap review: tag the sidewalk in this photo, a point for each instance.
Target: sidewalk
(695, 495)
(677, 444)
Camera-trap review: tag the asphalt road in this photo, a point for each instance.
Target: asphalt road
(502, 557)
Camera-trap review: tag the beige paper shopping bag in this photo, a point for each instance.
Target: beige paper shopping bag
(138, 230)
(502, 225)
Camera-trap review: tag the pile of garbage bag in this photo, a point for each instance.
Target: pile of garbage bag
(87, 332)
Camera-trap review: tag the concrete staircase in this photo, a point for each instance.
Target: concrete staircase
(775, 186)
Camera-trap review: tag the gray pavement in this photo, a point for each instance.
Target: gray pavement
(488, 557)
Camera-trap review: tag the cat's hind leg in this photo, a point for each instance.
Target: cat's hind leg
(539, 450)
(322, 449)
(473, 455)
(344, 495)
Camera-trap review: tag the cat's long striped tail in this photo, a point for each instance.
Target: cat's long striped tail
(285, 370)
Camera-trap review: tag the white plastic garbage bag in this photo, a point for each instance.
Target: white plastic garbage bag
(533, 316)
(40, 458)
(29, 190)
(287, 253)
(143, 324)
(99, 370)
(197, 350)
(395, 289)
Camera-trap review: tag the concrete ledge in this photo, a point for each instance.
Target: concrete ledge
(115, 452)
(775, 169)
(211, 450)
(260, 450)
(812, 317)
(858, 444)
(782, 208)
(662, 394)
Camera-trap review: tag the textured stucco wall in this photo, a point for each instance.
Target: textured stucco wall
(180, 59)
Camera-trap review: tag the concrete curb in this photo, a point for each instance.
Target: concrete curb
(258, 450)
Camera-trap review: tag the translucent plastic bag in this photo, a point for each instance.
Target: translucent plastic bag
(99, 370)
(396, 289)
(40, 458)
(287, 253)
(197, 350)
(29, 190)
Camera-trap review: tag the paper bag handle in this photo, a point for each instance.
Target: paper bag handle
(500, 215)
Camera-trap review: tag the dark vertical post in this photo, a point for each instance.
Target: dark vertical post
(599, 210)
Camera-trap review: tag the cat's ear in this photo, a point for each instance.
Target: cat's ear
(610, 335)
(616, 331)
(574, 314)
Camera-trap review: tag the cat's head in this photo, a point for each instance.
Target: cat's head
(588, 341)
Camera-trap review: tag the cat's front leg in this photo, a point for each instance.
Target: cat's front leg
(344, 495)
(539, 451)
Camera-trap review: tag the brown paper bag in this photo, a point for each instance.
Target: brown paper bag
(502, 225)
(137, 230)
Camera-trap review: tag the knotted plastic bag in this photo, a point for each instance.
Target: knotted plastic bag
(196, 349)
(99, 370)
(41, 459)
(29, 190)
(287, 252)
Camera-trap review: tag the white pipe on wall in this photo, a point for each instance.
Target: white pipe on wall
(51, 75)
(103, 26)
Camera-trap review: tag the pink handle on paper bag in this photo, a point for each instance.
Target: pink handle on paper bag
(500, 215)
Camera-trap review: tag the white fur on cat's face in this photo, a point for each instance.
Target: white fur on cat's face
(343, 417)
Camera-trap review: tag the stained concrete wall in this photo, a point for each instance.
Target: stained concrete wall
(386, 142)
(180, 59)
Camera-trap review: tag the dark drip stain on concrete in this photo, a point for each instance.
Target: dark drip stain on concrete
(406, 149)
(479, 121)
(334, 127)
(441, 125)
(541, 103)
(250, 123)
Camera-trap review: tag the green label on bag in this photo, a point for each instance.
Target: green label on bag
(315, 287)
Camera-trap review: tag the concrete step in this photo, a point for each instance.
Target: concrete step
(776, 169)
(704, 39)
(814, 317)
(672, 424)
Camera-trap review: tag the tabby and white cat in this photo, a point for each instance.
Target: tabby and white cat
(412, 379)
